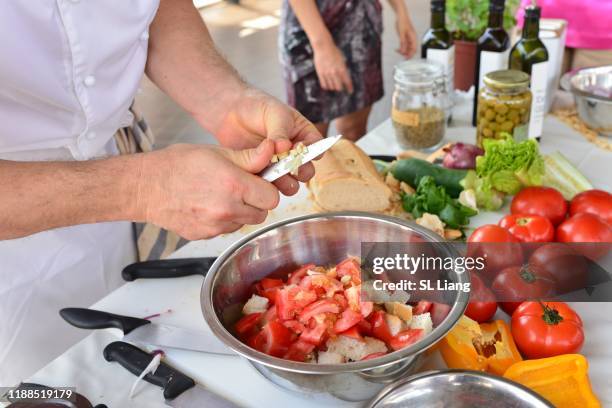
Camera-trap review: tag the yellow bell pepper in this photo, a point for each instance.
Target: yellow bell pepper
(563, 380)
(484, 347)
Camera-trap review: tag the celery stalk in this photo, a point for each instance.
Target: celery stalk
(559, 173)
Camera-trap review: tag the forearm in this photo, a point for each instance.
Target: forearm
(184, 63)
(38, 196)
(311, 21)
(399, 7)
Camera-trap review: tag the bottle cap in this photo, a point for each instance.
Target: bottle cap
(532, 12)
(497, 5)
(438, 5)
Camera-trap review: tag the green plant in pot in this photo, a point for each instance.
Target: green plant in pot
(467, 20)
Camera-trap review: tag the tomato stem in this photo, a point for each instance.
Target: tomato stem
(551, 315)
(527, 275)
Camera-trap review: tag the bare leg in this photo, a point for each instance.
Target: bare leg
(354, 125)
(322, 128)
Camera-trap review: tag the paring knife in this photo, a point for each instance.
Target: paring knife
(180, 391)
(143, 331)
(167, 268)
(284, 166)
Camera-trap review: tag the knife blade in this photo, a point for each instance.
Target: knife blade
(180, 391)
(145, 332)
(167, 268)
(284, 166)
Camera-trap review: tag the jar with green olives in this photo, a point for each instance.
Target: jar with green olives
(504, 104)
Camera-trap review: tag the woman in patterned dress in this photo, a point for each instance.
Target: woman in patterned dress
(331, 54)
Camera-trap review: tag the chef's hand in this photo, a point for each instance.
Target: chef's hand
(407, 35)
(203, 191)
(331, 68)
(256, 116)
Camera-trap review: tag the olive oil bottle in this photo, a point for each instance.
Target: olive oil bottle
(437, 44)
(492, 48)
(530, 55)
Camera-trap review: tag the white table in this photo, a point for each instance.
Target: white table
(83, 366)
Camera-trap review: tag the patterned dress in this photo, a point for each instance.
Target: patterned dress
(356, 26)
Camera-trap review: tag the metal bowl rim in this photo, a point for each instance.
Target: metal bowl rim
(242, 349)
(439, 373)
(567, 83)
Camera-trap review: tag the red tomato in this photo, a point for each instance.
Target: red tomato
(482, 304)
(499, 248)
(351, 267)
(405, 338)
(268, 287)
(585, 227)
(596, 202)
(380, 328)
(341, 300)
(299, 351)
(373, 355)
(546, 329)
(529, 228)
(291, 300)
(421, 307)
(516, 284)
(257, 341)
(316, 334)
(438, 312)
(294, 325)
(564, 264)
(543, 201)
(296, 276)
(277, 338)
(247, 323)
(364, 327)
(317, 308)
(353, 333)
(348, 319)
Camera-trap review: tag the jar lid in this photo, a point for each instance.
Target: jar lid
(506, 79)
(418, 73)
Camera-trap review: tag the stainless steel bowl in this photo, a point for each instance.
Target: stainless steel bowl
(323, 239)
(592, 90)
(457, 389)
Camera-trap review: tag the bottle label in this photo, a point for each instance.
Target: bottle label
(539, 81)
(491, 61)
(405, 118)
(447, 59)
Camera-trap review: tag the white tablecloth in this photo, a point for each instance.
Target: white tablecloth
(83, 366)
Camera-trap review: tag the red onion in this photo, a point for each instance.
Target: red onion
(461, 156)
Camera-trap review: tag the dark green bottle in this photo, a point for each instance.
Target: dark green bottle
(437, 44)
(530, 55)
(491, 49)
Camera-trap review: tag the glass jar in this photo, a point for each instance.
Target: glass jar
(504, 104)
(420, 104)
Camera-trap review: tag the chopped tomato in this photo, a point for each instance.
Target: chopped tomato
(277, 338)
(341, 300)
(294, 325)
(292, 300)
(353, 333)
(351, 268)
(257, 341)
(373, 355)
(317, 308)
(353, 295)
(366, 308)
(296, 276)
(422, 306)
(380, 328)
(364, 327)
(405, 338)
(267, 287)
(348, 319)
(316, 334)
(269, 316)
(299, 351)
(247, 323)
(327, 285)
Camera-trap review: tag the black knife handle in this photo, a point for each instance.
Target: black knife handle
(136, 360)
(97, 319)
(167, 268)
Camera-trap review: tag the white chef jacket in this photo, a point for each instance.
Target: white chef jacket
(69, 70)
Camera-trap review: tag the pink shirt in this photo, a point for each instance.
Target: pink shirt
(589, 22)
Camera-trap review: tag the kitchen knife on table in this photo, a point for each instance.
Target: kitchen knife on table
(284, 166)
(143, 331)
(167, 268)
(180, 391)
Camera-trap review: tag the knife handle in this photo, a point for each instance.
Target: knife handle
(167, 268)
(136, 360)
(97, 319)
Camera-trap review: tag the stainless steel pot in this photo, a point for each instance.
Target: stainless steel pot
(323, 239)
(592, 90)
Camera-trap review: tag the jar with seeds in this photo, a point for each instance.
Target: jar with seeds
(420, 104)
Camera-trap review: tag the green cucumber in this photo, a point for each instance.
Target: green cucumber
(411, 171)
